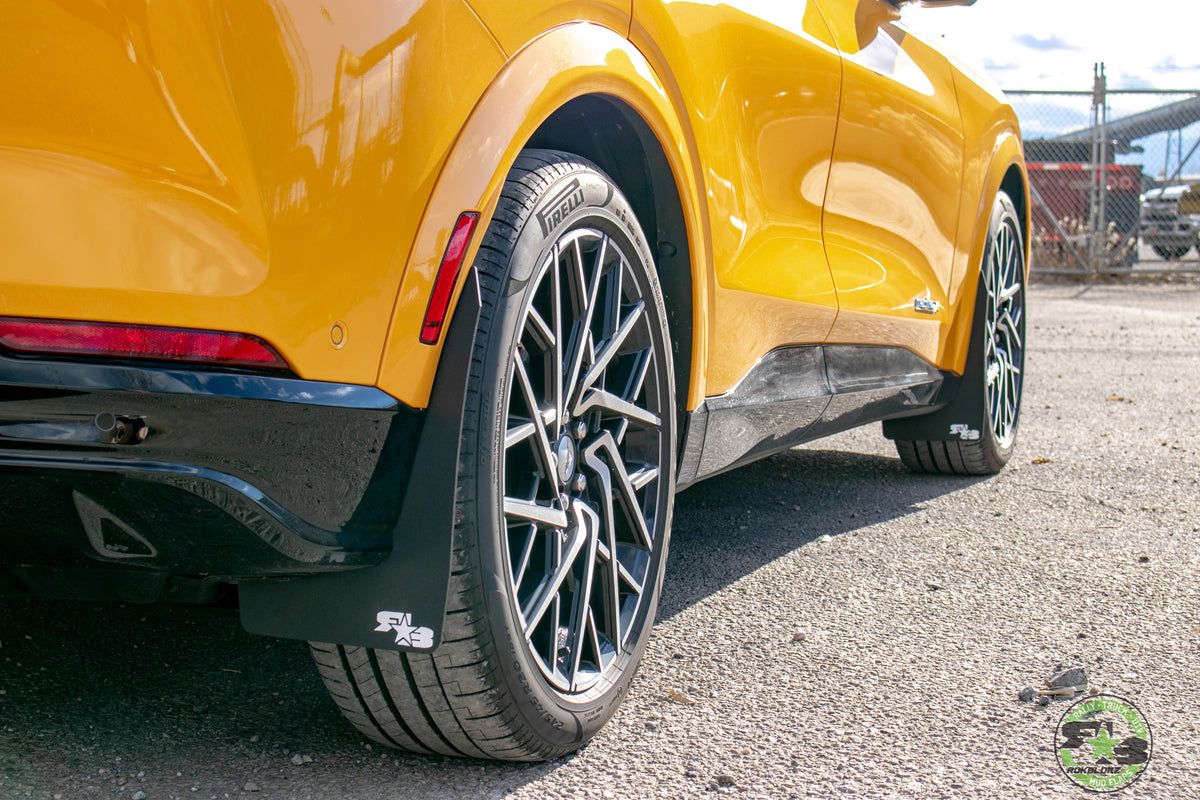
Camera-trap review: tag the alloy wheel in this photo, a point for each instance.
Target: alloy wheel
(584, 447)
(1004, 331)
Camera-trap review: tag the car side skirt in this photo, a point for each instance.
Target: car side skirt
(796, 394)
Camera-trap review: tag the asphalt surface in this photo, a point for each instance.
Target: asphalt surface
(925, 605)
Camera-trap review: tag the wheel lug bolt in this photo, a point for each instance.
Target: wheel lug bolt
(578, 482)
(578, 429)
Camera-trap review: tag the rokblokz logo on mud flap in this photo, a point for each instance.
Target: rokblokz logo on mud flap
(1103, 743)
(407, 634)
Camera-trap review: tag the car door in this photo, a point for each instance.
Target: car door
(762, 82)
(891, 209)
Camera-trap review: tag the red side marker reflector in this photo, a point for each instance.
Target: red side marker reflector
(447, 277)
(71, 338)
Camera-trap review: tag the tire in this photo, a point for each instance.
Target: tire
(998, 335)
(1171, 253)
(563, 516)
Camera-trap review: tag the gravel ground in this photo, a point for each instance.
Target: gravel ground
(925, 605)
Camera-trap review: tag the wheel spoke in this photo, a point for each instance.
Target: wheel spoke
(583, 596)
(519, 433)
(609, 348)
(598, 398)
(643, 476)
(1009, 292)
(615, 477)
(612, 582)
(556, 356)
(581, 343)
(633, 388)
(541, 446)
(529, 510)
(526, 553)
(540, 331)
(548, 589)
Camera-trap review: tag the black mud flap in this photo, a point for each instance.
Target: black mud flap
(401, 603)
(961, 398)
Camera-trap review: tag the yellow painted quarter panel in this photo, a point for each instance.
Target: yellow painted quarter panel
(516, 24)
(124, 181)
(568, 62)
(762, 82)
(246, 165)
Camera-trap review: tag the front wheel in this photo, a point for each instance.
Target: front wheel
(566, 482)
(998, 347)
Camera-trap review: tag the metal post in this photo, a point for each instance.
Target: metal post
(1093, 199)
(1167, 158)
(1102, 178)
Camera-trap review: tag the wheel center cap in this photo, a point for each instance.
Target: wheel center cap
(564, 458)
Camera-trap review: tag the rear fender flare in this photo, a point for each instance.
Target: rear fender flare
(567, 62)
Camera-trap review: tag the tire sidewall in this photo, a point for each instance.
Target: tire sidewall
(583, 197)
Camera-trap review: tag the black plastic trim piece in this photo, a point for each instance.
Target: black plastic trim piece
(797, 394)
(189, 472)
(104, 376)
(401, 603)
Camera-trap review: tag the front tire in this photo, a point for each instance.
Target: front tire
(566, 483)
(999, 332)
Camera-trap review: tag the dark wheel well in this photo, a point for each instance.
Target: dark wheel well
(612, 135)
(1014, 187)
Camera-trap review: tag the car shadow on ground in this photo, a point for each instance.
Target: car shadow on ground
(92, 694)
(730, 525)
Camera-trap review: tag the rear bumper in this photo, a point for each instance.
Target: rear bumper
(197, 473)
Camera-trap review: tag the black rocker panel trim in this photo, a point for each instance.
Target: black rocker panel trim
(797, 394)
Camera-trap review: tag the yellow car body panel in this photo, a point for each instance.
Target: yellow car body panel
(534, 17)
(259, 168)
(994, 156)
(762, 83)
(249, 167)
(891, 213)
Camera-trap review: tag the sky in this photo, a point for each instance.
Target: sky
(1053, 45)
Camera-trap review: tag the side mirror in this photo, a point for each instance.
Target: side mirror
(932, 3)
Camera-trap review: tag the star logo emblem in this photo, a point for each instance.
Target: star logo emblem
(1102, 745)
(407, 634)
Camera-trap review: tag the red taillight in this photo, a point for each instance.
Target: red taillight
(447, 277)
(57, 337)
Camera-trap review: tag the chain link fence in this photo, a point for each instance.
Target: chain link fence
(1115, 178)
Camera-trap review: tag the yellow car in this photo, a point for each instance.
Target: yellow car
(402, 323)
